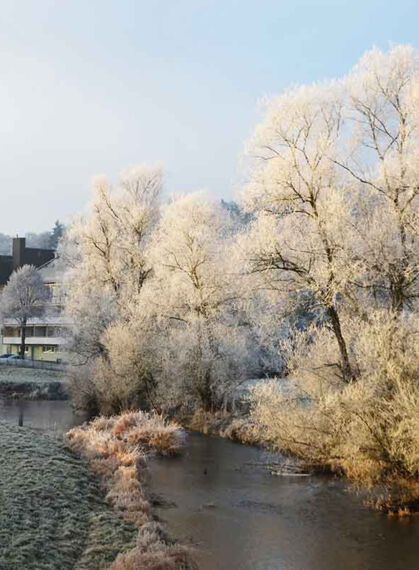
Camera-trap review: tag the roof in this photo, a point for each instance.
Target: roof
(37, 256)
(23, 255)
(6, 268)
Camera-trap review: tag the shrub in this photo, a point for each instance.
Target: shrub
(242, 430)
(367, 429)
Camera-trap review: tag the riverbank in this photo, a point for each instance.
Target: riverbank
(32, 384)
(237, 426)
(52, 511)
(117, 449)
(399, 498)
(86, 508)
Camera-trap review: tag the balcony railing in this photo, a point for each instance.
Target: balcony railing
(38, 332)
(34, 340)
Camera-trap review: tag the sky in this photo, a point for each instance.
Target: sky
(91, 87)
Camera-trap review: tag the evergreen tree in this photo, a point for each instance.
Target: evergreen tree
(56, 233)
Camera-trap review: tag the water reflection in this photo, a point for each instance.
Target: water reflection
(47, 415)
(240, 517)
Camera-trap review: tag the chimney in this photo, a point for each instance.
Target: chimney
(19, 246)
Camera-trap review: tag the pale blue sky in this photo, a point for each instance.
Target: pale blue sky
(93, 86)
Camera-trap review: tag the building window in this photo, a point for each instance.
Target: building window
(49, 348)
(10, 331)
(15, 348)
(40, 331)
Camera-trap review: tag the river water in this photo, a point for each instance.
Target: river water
(47, 415)
(239, 517)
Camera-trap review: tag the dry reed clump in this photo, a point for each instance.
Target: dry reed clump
(150, 432)
(154, 551)
(242, 430)
(128, 436)
(208, 422)
(117, 448)
(401, 499)
(201, 420)
(237, 428)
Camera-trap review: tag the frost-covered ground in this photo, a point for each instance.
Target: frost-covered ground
(12, 374)
(32, 384)
(52, 512)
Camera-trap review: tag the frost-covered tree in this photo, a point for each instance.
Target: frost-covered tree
(335, 192)
(334, 186)
(196, 299)
(106, 250)
(106, 256)
(56, 234)
(23, 298)
(299, 197)
(113, 237)
(5, 244)
(382, 161)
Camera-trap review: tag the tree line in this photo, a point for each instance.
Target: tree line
(312, 277)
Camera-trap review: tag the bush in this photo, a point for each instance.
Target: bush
(367, 429)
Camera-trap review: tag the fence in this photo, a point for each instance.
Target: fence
(41, 364)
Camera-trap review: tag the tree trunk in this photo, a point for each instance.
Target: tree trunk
(23, 338)
(347, 372)
(397, 286)
(346, 368)
(398, 275)
(205, 392)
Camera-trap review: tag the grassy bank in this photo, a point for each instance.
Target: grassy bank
(117, 450)
(52, 510)
(35, 384)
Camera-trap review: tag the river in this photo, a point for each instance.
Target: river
(47, 415)
(239, 517)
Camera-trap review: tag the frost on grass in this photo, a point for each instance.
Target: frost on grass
(52, 511)
(117, 448)
(23, 375)
(32, 384)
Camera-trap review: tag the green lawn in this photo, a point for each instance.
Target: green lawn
(52, 512)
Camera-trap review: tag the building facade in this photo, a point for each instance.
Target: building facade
(46, 336)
